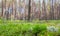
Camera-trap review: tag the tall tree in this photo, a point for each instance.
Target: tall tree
(43, 10)
(33, 6)
(7, 7)
(15, 9)
(2, 8)
(48, 9)
(59, 9)
(29, 10)
(39, 10)
(52, 10)
(55, 11)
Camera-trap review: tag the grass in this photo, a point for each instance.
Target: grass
(26, 28)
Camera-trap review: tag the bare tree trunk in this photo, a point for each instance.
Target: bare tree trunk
(39, 10)
(52, 11)
(2, 9)
(55, 11)
(43, 10)
(29, 10)
(15, 9)
(7, 9)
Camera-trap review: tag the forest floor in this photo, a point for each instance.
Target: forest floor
(26, 28)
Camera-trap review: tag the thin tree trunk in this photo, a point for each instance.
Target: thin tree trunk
(29, 10)
(52, 11)
(2, 9)
(39, 10)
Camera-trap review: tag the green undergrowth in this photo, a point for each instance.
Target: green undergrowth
(29, 28)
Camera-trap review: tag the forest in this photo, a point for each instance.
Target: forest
(30, 9)
(29, 17)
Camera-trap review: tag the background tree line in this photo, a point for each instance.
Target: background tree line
(30, 9)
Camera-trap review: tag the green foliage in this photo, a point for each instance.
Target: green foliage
(39, 28)
(21, 28)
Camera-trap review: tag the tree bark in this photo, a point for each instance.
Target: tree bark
(29, 10)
